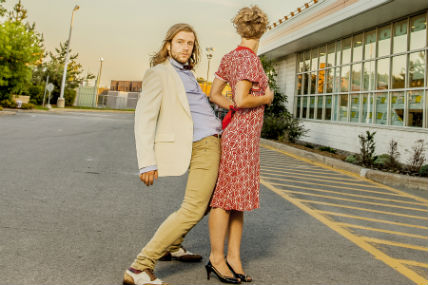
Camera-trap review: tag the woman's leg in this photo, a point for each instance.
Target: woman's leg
(218, 224)
(236, 223)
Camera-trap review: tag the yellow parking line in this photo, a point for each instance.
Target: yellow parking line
(318, 179)
(362, 209)
(353, 200)
(412, 275)
(371, 219)
(308, 175)
(349, 194)
(305, 171)
(413, 263)
(394, 243)
(417, 198)
(381, 230)
(333, 186)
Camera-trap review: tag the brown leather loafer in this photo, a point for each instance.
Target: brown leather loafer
(181, 255)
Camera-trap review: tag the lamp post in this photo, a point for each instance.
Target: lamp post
(98, 81)
(209, 51)
(60, 102)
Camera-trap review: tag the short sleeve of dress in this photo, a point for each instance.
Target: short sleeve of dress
(247, 68)
(222, 70)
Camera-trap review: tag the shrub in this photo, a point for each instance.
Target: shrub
(382, 161)
(424, 170)
(327, 149)
(1, 108)
(418, 157)
(367, 148)
(352, 159)
(308, 145)
(27, 106)
(36, 94)
(294, 130)
(8, 103)
(393, 154)
(273, 127)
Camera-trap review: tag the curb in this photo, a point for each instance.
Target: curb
(6, 112)
(65, 110)
(391, 179)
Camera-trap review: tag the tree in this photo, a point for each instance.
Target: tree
(2, 9)
(18, 13)
(54, 68)
(20, 51)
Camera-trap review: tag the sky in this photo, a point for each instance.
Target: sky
(126, 32)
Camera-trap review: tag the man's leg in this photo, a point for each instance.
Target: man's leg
(200, 184)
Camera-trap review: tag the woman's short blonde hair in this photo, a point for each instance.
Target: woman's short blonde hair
(250, 22)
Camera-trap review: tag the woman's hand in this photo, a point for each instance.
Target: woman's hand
(269, 96)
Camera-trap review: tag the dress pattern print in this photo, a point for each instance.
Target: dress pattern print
(238, 182)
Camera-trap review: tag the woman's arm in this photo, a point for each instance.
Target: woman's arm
(244, 99)
(215, 94)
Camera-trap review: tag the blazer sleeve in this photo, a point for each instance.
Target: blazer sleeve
(146, 115)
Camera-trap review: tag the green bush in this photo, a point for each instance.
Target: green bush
(1, 108)
(382, 161)
(367, 148)
(352, 159)
(424, 170)
(273, 127)
(36, 94)
(8, 103)
(27, 106)
(328, 149)
(308, 145)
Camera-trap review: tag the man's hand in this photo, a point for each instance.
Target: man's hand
(149, 177)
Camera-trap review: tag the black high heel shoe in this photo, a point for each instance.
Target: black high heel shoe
(210, 268)
(242, 277)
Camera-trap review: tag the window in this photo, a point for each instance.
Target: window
(371, 77)
(418, 35)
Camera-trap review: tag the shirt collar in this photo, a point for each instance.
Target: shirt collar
(178, 64)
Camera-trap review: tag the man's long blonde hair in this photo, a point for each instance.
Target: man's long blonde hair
(163, 53)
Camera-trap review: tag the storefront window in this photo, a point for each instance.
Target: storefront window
(299, 84)
(314, 58)
(321, 79)
(367, 108)
(370, 44)
(305, 106)
(356, 77)
(344, 78)
(305, 83)
(330, 54)
(329, 79)
(418, 35)
(381, 108)
(355, 108)
(399, 43)
(346, 50)
(369, 75)
(416, 69)
(382, 66)
(415, 113)
(342, 103)
(358, 48)
(307, 60)
(384, 43)
(320, 104)
(397, 108)
(328, 102)
(322, 58)
(312, 107)
(398, 75)
(313, 79)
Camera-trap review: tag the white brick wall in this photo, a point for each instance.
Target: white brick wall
(345, 137)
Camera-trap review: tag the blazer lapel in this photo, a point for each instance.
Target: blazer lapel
(180, 91)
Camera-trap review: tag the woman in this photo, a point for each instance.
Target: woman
(238, 183)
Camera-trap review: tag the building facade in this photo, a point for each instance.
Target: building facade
(349, 66)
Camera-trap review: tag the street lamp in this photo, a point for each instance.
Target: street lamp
(60, 102)
(209, 51)
(98, 81)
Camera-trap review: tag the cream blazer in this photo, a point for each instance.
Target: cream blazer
(163, 122)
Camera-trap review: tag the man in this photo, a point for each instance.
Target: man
(175, 127)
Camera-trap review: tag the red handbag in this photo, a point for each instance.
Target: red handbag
(228, 118)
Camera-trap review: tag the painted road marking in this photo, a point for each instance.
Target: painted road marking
(292, 181)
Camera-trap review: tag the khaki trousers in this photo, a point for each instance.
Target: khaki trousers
(201, 181)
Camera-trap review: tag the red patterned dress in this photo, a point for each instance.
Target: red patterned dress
(239, 173)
